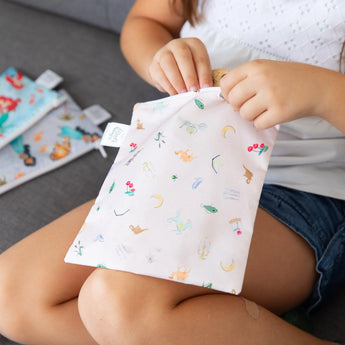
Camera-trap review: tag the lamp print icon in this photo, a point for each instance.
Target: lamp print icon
(236, 225)
(204, 248)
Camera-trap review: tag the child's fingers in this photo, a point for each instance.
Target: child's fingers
(241, 93)
(165, 71)
(182, 65)
(185, 63)
(193, 62)
(175, 70)
(265, 120)
(231, 79)
(202, 64)
(253, 108)
(205, 74)
(161, 80)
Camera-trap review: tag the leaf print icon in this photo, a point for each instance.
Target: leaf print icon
(112, 187)
(209, 208)
(199, 104)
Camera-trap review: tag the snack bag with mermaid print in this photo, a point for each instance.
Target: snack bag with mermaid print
(63, 135)
(22, 103)
(180, 200)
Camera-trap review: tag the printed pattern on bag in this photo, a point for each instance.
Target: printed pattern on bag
(180, 200)
(22, 103)
(62, 135)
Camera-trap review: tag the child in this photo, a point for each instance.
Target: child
(297, 249)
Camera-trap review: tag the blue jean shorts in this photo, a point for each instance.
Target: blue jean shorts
(321, 222)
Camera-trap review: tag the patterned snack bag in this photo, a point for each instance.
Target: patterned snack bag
(61, 136)
(180, 200)
(22, 103)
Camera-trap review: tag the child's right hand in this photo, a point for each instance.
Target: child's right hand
(181, 65)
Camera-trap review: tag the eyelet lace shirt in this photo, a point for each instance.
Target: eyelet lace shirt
(310, 153)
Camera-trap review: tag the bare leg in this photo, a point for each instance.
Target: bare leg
(127, 309)
(38, 291)
(280, 272)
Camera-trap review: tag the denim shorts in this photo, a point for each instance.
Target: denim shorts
(320, 221)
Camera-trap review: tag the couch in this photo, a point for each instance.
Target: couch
(79, 39)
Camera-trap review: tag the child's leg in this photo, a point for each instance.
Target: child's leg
(124, 309)
(121, 308)
(38, 291)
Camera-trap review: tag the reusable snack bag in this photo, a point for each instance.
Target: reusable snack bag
(61, 136)
(180, 200)
(22, 103)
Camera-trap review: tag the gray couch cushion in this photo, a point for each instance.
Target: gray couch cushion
(107, 14)
(95, 72)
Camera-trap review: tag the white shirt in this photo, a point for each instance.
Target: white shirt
(310, 153)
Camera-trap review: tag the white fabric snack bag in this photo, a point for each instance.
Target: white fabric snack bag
(180, 200)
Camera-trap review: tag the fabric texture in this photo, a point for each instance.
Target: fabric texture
(61, 136)
(309, 153)
(304, 31)
(181, 198)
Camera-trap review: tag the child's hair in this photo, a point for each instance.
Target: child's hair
(190, 10)
(341, 58)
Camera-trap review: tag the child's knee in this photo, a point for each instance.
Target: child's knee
(111, 310)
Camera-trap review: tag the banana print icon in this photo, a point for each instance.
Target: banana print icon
(227, 268)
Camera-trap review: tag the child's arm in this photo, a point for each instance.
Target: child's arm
(150, 43)
(332, 108)
(273, 92)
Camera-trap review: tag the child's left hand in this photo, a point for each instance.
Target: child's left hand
(272, 92)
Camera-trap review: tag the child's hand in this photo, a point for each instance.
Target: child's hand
(272, 92)
(181, 65)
